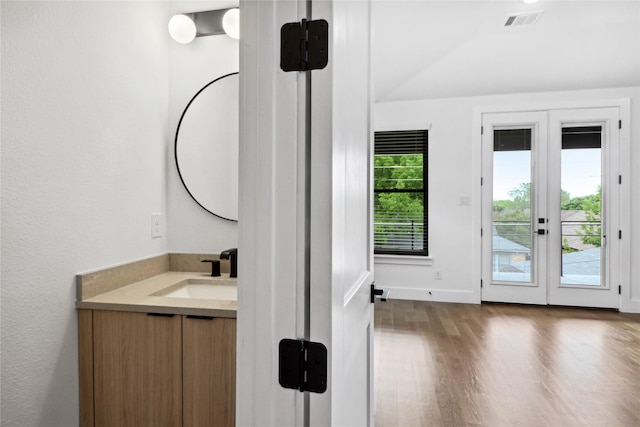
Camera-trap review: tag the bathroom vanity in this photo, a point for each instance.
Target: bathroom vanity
(157, 347)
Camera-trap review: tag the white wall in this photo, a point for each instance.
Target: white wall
(84, 160)
(455, 173)
(191, 228)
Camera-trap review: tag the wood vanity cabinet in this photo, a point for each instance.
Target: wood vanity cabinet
(209, 371)
(139, 369)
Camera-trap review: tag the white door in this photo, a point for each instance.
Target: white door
(584, 165)
(341, 217)
(513, 200)
(551, 202)
(305, 237)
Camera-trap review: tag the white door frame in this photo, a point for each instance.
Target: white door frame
(624, 105)
(273, 223)
(270, 289)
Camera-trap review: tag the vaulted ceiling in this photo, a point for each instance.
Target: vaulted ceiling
(426, 49)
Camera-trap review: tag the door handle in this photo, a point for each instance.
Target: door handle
(383, 294)
(541, 231)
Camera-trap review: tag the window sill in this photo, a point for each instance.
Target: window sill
(402, 259)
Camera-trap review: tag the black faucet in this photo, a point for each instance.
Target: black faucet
(232, 256)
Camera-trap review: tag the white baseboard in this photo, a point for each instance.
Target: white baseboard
(439, 295)
(630, 306)
(466, 297)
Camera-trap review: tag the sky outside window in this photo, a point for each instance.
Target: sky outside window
(581, 173)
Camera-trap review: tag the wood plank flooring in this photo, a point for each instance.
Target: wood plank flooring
(440, 364)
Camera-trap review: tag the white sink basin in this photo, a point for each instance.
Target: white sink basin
(218, 289)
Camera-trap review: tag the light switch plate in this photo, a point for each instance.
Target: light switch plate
(156, 225)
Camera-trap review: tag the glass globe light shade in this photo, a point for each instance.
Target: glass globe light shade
(182, 29)
(231, 23)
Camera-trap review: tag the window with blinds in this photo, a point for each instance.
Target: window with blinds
(400, 193)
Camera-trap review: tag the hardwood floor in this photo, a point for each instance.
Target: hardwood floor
(440, 364)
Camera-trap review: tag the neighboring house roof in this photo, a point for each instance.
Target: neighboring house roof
(503, 245)
(500, 244)
(571, 231)
(585, 262)
(576, 267)
(572, 215)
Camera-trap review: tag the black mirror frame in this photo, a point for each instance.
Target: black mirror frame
(175, 146)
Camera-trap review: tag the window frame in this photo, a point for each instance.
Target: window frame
(424, 252)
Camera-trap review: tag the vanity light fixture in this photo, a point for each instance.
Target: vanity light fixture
(187, 26)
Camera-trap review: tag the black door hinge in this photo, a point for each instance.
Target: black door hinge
(481, 130)
(619, 234)
(303, 365)
(304, 45)
(619, 179)
(619, 289)
(619, 124)
(480, 283)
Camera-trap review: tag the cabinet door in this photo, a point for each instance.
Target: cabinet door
(85, 367)
(209, 369)
(137, 369)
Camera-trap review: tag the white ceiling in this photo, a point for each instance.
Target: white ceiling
(438, 49)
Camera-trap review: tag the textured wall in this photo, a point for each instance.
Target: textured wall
(84, 160)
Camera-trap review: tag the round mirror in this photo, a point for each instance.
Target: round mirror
(206, 147)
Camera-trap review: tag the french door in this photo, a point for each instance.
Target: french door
(550, 207)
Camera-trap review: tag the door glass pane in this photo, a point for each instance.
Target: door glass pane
(511, 230)
(581, 183)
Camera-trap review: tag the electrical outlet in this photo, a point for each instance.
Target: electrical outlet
(438, 274)
(156, 225)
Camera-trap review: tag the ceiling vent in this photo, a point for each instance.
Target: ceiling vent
(518, 19)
